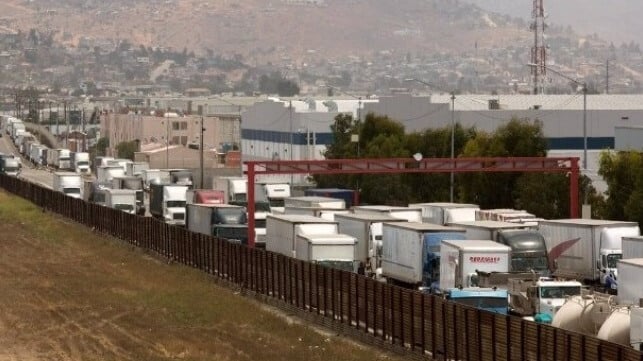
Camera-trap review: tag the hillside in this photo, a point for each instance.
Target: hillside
(68, 293)
(614, 20)
(276, 30)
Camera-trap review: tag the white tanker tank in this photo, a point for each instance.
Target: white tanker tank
(585, 314)
(617, 327)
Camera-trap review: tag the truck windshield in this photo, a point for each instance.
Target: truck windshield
(612, 259)
(538, 263)
(240, 197)
(259, 206)
(124, 207)
(175, 204)
(71, 190)
(483, 302)
(240, 233)
(277, 202)
(559, 291)
(230, 216)
(11, 169)
(340, 265)
(82, 162)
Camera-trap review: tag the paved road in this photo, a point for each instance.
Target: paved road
(34, 175)
(41, 176)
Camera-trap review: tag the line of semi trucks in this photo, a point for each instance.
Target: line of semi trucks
(500, 260)
(503, 261)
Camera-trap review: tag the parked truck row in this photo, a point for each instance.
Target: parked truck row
(40, 155)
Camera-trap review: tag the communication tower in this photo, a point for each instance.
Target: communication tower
(539, 50)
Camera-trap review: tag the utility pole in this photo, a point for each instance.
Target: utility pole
(290, 150)
(201, 155)
(539, 50)
(607, 76)
(65, 116)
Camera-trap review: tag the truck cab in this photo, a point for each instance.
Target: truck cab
(540, 299)
(528, 250)
(174, 208)
(275, 194)
(262, 210)
(121, 199)
(9, 166)
(168, 202)
(611, 250)
(81, 162)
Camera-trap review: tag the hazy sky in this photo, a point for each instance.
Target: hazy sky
(614, 20)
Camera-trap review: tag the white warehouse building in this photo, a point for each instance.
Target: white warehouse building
(276, 130)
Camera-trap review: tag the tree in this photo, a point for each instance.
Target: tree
(622, 173)
(547, 195)
(517, 138)
(101, 147)
(341, 148)
(275, 83)
(126, 150)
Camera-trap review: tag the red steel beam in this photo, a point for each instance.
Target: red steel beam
(409, 165)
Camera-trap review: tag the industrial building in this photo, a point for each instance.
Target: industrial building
(300, 129)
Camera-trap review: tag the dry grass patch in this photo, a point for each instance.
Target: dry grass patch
(67, 293)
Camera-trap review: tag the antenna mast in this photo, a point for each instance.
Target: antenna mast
(538, 51)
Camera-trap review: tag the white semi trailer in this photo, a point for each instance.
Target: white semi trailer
(592, 247)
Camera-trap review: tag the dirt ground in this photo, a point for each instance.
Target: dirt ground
(67, 293)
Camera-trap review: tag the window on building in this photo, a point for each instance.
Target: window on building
(184, 125)
(176, 139)
(175, 125)
(184, 139)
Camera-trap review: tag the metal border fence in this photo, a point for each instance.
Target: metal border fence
(420, 325)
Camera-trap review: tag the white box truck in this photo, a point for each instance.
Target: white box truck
(16, 128)
(63, 159)
(528, 249)
(459, 261)
(155, 176)
(135, 169)
(68, 183)
(636, 328)
(444, 213)
(219, 220)
(632, 247)
(282, 231)
(80, 162)
(331, 250)
(367, 230)
(274, 193)
(315, 201)
(406, 213)
(630, 287)
(105, 174)
(167, 202)
(235, 188)
(325, 213)
(411, 252)
(36, 154)
(121, 199)
(586, 249)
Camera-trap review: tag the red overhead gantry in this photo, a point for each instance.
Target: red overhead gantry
(410, 165)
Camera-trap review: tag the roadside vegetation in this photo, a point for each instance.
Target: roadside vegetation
(67, 293)
(544, 194)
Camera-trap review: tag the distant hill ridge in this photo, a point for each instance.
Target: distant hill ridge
(278, 30)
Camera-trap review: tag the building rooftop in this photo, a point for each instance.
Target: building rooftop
(480, 102)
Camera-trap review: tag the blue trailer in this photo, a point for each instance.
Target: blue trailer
(411, 252)
(489, 299)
